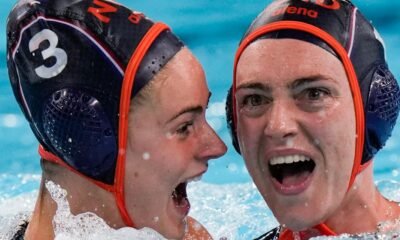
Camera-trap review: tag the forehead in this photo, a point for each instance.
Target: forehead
(181, 82)
(286, 59)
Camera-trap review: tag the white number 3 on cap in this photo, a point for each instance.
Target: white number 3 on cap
(52, 51)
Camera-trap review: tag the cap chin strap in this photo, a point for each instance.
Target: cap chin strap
(320, 229)
(353, 82)
(118, 188)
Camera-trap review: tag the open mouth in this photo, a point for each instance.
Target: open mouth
(179, 195)
(181, 201)
(291, 170)
(180, 198)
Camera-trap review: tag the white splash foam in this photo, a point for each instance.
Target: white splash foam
(386, 230)
(228, 211)
(88, 225)
(9, 225)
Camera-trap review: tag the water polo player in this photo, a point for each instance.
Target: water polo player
(117, 103)
(312, 102)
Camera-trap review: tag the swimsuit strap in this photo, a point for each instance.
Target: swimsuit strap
(19, 235)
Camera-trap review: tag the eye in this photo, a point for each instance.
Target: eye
(315, 94)
(252, 104)
(184, 129)
(254, 100)
(313, 99)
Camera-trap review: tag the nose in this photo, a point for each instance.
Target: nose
(281, 121)
(211, 144)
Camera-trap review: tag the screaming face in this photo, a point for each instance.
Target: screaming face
(296, 128)
(169, 145)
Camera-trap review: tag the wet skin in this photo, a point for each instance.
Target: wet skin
(294, 104)
(169, 143)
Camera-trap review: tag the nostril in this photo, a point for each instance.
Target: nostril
(213, 149)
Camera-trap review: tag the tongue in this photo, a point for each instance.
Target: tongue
(183, 205)
(295, 179)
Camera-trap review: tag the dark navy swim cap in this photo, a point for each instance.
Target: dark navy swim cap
(338, 27)
(74, 67)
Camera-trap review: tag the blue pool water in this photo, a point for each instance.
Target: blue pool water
(212, 30)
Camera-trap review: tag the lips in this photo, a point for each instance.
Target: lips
(292, 173)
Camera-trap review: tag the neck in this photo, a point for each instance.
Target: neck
(363, 208)
(82, 195)
(40, 225)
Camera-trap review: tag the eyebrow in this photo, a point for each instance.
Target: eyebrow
(294, 84)
(190, 109)
(254, 85)
(306, 80)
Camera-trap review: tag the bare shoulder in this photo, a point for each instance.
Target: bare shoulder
(196, 231)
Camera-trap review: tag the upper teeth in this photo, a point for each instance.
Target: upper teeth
(288, 159)
(195, 179)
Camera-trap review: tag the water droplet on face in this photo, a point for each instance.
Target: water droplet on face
(156, 219)
(322, 114)
(146, 156)
(168, 135)
(263, 169)
(306, 204)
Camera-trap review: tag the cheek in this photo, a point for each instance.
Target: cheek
(174, 159)
(335, 126)
(250, 132)
(334, 133)
(250, 136)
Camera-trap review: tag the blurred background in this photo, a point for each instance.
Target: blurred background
(212, 30)
(225, 201)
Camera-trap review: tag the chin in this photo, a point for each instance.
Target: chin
(175, 236)
(299, 222)
(176, 233)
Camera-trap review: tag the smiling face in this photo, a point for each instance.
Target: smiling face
(169, 144)
(296, 128)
